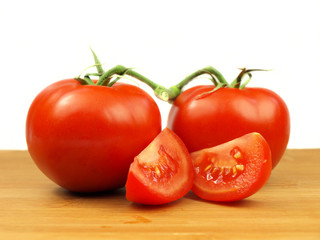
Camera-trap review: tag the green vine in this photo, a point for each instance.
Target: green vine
(111, 76)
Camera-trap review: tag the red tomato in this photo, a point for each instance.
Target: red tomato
(84, 137)
(207, 120)
(232, 171)
(161, 173)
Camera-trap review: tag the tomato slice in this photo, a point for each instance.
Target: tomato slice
(162, 172)
(232, 171)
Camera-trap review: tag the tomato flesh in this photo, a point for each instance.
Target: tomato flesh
(232, 171)
(162, 172)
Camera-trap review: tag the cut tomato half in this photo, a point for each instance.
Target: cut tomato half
(162, 172)
(232, 171)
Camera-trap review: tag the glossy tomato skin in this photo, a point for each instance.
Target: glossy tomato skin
(161, 173)
(84, 138)
(205, 120)
(233, 170)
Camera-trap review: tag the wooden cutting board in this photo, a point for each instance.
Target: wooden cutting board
(32, 207)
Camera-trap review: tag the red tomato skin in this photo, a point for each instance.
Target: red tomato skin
(251, 181)
(229, 113)
(85, 137)
(140, 189)
(137, 192)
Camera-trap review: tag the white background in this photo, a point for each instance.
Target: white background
(45, 41)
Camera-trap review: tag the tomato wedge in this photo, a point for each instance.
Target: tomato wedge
(232, 171)
(162, 172)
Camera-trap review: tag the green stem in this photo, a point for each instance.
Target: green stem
(237, 83)
(239, 78)
(244, 84)
(216, 77)
(160, 91)
(142, 78)
(85, 81)
(119, 70)
(105, 77)
(114, 81)
(97, 62)
(214, 73)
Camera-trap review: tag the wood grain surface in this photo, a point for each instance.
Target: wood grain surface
(33, 207)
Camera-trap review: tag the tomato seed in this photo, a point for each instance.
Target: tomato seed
(208, 167)
(240, 167)
(214, 170)
(237, 154)
(157, 170)
(234, 171)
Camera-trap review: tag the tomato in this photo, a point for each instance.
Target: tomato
(161, 173)
(232, 171)
(84, 137)
(203, 119)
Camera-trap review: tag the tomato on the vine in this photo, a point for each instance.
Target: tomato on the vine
(233, 170)
(203, 116)
(84, 137)
(162, 172)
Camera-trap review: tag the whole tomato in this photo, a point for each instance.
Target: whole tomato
(84, 137)
(204, 118)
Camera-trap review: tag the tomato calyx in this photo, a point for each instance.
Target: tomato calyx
(238, 82)
(217, 79)
(111, 76)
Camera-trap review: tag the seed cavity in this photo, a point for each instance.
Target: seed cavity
(213, 172)
(223, 169)
(163, 167)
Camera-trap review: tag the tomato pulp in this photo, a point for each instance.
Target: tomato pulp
(232, 171)
(84, 137)
(204, 120)
(162, 172)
